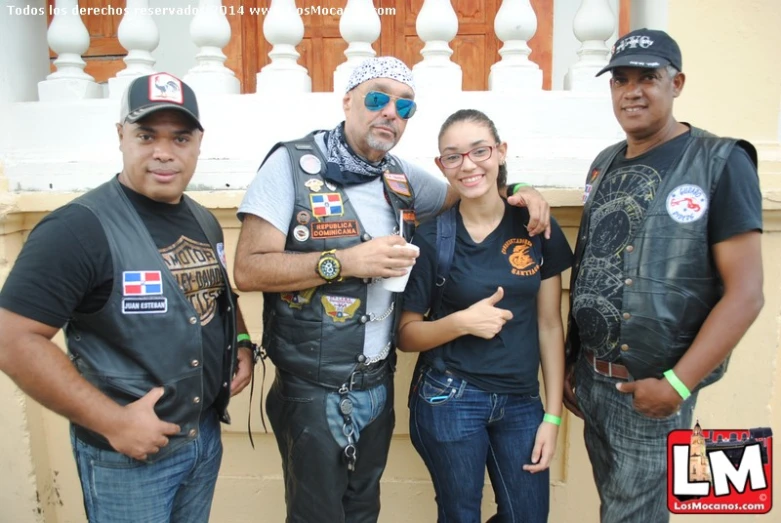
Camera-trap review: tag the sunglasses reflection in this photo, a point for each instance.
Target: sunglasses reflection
(376, 101)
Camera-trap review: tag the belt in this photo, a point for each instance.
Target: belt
(368, 376)
(607, 368)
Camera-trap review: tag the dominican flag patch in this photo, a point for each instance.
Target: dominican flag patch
(326, 204)
(142, 283)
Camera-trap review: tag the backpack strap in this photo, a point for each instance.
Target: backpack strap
(446, 246)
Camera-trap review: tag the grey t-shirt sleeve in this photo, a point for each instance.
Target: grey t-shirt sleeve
(270, 195)
(430, 190)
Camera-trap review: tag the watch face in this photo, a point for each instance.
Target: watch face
(329, 268)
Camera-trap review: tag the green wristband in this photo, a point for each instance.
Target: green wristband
(677, 384)
(550, 418)
(242, 337)
(517, 186)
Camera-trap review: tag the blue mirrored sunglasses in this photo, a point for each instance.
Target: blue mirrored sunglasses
(375, 101)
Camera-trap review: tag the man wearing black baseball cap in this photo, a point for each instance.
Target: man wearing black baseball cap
(134, 271)
(667, 277)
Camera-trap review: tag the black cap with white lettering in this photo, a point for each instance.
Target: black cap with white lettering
(645, 48)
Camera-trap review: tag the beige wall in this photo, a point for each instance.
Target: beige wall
(733, 87)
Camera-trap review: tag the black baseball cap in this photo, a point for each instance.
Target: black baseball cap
(645, 48)
(155, 92)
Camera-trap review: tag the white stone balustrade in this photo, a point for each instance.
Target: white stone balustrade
(284, 29)
(68, 37)
(211, 32)
(515, 25)
(360, 27)
(437, 26)
(139, 35)
(593, 26)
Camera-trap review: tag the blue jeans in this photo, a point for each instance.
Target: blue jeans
(459, 429)
(628, 450)
(176, 489)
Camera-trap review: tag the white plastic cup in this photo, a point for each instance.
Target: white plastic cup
(398, 283)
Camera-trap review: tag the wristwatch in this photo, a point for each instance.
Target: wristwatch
(328, 266)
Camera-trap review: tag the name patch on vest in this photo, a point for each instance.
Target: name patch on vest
(339, 229)
(398, 183)
(326, 204)
(148, 305)
(687, 203)
(340, 308)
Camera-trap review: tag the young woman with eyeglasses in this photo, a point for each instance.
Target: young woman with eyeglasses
(475, 398)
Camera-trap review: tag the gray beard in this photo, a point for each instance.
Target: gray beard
(379, 145)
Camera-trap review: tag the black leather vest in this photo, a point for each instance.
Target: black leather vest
(318, 333)
(130, 346)
(670, 279)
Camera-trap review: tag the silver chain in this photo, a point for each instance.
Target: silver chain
(373, 317)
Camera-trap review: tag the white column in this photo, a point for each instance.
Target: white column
(593, 26)
(515, 25)
(24, 53)
(360, 27)
(68, 37)
(139, 35)
(437, 25)
(284, 30)
(648, 13)
(211, 32)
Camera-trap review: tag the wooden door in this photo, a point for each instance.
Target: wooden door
(105, 54)
(475, 47)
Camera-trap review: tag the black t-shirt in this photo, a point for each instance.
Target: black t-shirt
(66, 266)
(507, 257)
(617, 212)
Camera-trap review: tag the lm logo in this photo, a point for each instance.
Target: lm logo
(719, 471)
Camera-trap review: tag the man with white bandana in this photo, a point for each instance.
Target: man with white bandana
(320, 223)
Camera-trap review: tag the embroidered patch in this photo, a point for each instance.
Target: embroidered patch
(340, 308)
(301, 233)
(303, 217)
(221, 254)
(314, 185)
(141, 283)
(340, 229)
(594, 176)
(398, 183)
(311, 164)
(687, 203)
(586, 192)
(145, 305)
(165, 88)
(520, 257)
(326, 204)
(297, 299)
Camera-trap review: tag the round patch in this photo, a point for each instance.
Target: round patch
(303, 217)
(310, 164)
(301, 233)
(687, 203)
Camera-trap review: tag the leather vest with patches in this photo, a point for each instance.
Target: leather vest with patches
(136, 343)
(674, 281)
(318, 333)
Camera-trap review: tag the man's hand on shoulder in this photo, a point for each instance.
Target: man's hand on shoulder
(655, 398)
(539, 209)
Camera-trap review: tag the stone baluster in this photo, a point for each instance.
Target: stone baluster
(515, 25)
(139, 35)
(284, 30)
(593, 25)
(68, 37)
(211, 32)
(360, 27)
(437, 25)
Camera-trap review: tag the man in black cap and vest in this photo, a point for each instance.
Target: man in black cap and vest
(666, 281)
(135, 273)
(321, 223)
